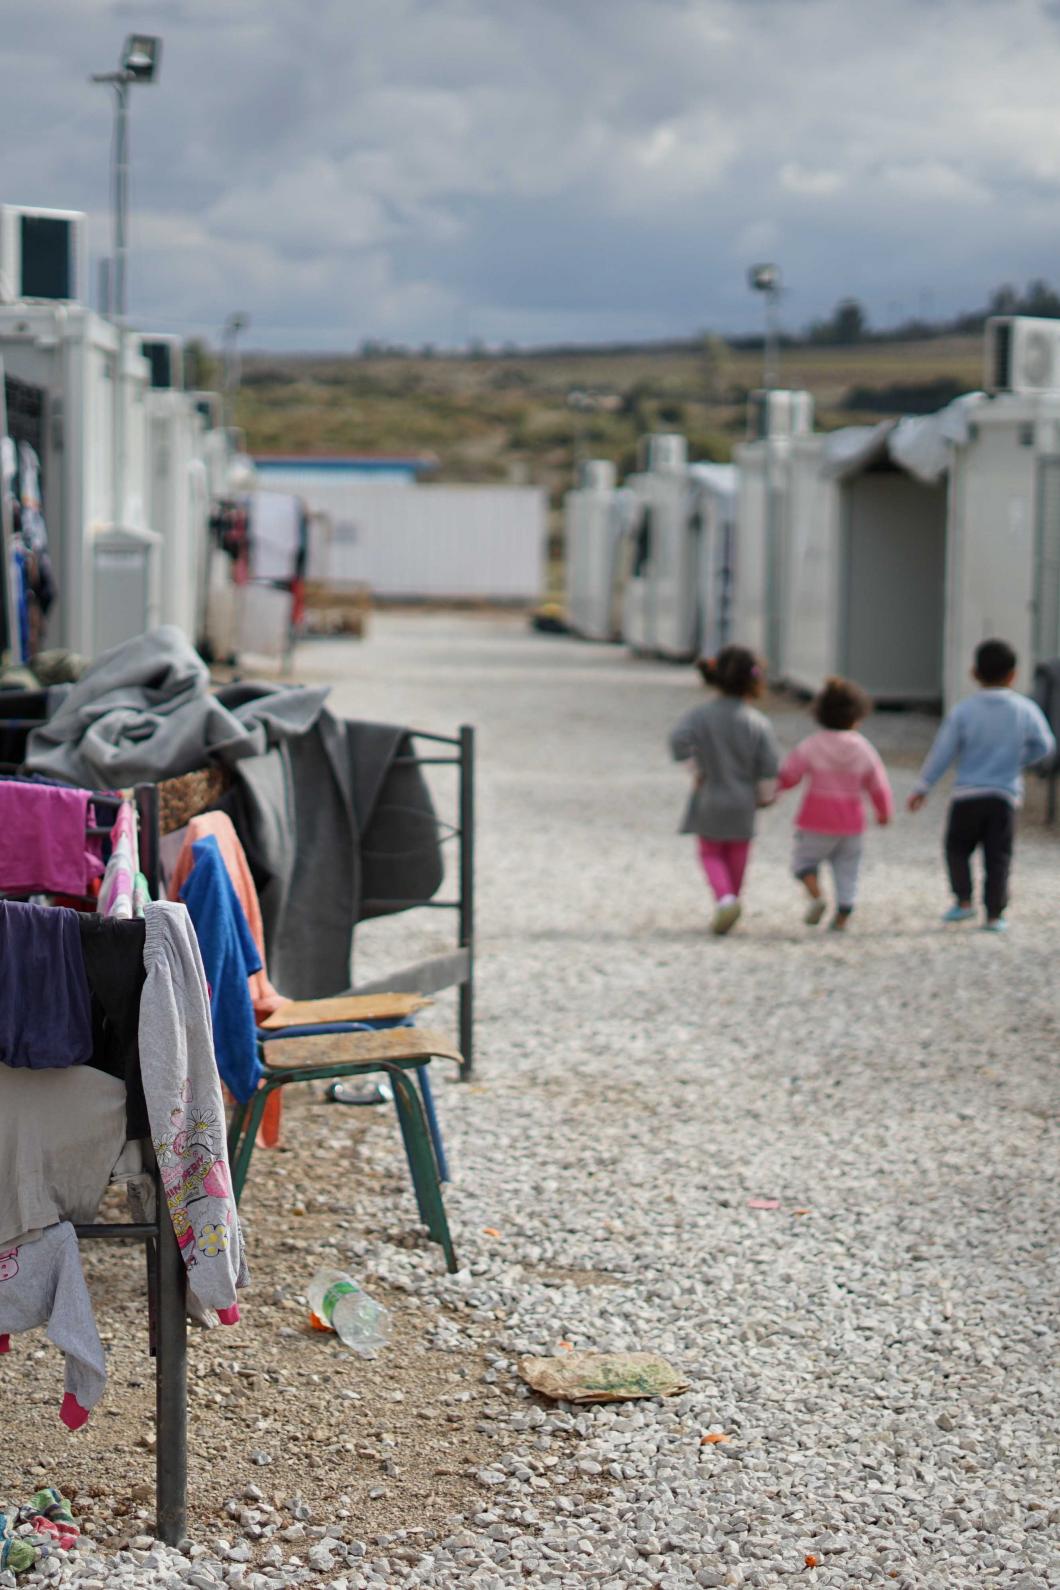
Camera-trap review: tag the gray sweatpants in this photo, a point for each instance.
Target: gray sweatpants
(842, 851)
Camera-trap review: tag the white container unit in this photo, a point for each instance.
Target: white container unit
(104, 553)
(1004, 537)
(179, 504)
(406, 541)
(764, 469)
(659, 600)
(596, 518)
(712, 526)
(868, 539)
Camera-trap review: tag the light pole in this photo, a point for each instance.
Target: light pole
(234, 324)
(765, 279)
(139, 64)
(140, 57)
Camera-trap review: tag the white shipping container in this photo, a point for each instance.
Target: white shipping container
(445, 542)
(71, 355)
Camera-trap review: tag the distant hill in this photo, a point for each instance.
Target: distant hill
(528, 416)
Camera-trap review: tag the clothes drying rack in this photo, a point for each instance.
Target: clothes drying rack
(166, 1277)
(454, 968)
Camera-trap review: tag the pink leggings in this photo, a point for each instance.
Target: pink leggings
(724, 862)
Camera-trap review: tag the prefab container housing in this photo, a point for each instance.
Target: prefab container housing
(659, 601)
(863, 568)
(764, 468)
(1003, 575)
(178, 505)
(712, 529)
(596, 516)
(104, 553)
(415, 542)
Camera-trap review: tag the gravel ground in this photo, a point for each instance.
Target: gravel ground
(878, 1348)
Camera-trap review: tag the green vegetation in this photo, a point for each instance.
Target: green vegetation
(528, 417)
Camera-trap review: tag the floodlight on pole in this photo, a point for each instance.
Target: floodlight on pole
(139, 62)
(140, 59)
(765, 279)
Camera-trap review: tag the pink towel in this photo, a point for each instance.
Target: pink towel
(43, 847)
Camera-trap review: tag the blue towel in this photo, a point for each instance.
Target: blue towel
(229, 956)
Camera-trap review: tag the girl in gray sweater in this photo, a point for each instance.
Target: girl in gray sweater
(734, 756)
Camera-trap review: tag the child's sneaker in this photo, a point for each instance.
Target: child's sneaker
(814, 912)
(726, 916)
(959, 913)
(995, 924)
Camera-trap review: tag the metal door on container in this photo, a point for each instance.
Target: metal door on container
(1046, 594)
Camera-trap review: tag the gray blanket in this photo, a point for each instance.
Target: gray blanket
(336, 828)
(143, 712)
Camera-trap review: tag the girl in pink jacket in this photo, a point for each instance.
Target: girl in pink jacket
(841, 768)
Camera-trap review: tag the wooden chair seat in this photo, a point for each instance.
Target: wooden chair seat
(393, 1045)
(344, 1007)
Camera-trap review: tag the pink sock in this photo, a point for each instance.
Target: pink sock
(229, 1316)
(71, 1413)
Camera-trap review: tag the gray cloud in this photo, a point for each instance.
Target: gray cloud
(439, 169)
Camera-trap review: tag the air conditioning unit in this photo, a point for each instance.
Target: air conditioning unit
(1022, 354)
(208, 408)
(41, 254)
(165, 356)
(597, 474)
(663, 452)
(775, 413)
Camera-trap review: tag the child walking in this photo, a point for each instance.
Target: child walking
(841, 768)
(734, 756)
(992, 736)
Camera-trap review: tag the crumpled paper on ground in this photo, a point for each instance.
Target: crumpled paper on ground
(602, 1377)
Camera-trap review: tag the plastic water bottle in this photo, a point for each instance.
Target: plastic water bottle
(341, 1304)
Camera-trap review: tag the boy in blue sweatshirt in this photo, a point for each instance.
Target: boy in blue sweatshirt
(992, 737)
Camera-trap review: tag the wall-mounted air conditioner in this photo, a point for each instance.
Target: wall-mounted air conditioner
(662, 452)
(165, 356)
(775, 413)
(41, 254)
(597, 474)
(1022, 354)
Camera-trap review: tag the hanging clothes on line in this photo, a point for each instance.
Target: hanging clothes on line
(43, 844)
(41, 1282)
(116, 892)
(45, 1004)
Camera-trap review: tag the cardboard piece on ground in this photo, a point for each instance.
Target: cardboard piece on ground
(602, 1377)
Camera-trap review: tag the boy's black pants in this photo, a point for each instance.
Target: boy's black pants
(986, 820)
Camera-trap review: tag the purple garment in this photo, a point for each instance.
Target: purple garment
(45, 1004)
(43, 848)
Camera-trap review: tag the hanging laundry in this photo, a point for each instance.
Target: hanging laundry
(218, 825)
(230, 957)
(43, 847)
(184, 1104)
(119, 880)
(61, 1134)
(41, 1282)
(114, 965)
(40, 954)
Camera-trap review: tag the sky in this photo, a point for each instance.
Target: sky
(536, 171)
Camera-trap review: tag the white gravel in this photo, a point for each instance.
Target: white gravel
(879, 1348)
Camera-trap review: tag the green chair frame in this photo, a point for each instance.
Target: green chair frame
(395, 1052)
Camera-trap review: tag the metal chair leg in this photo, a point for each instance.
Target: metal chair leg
(240, 1165)
(171, 1384)
(421, 1161)
(424, 1079)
